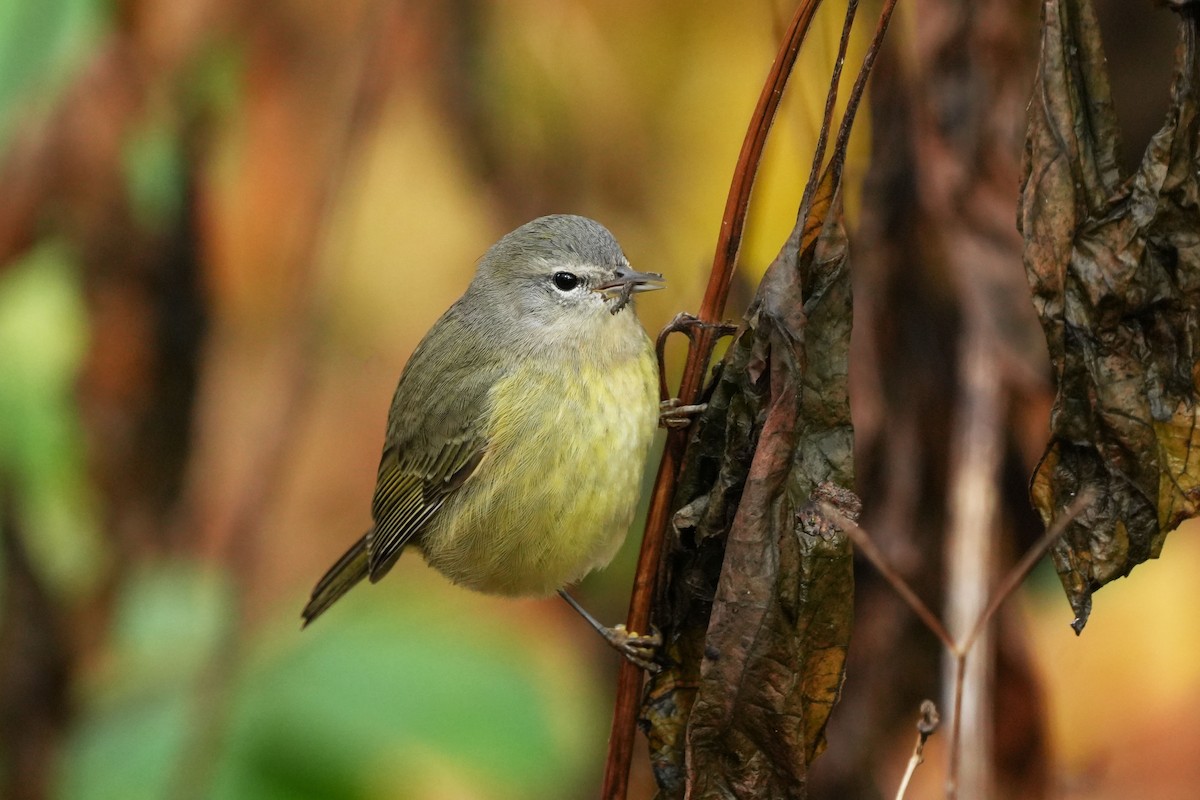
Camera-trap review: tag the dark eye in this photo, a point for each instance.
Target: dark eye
(565, 281)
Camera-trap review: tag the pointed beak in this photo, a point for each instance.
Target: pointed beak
(629, 280)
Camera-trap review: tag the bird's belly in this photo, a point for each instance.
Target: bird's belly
(557, 490)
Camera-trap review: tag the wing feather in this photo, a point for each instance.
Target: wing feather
(435, 436)
(409, 491)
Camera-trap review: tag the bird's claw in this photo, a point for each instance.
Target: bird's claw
(641, 649)
(672, 414)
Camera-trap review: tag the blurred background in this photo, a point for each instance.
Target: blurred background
(223, 229)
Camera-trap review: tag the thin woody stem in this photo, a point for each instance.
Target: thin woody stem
(926, 725)
(733, 223)
(866, 548)
(703, 337)
(958, 649)
(1023, 567)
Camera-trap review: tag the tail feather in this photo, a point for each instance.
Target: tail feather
(341, 578)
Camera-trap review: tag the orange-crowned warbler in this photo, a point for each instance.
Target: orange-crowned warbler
(518, 432)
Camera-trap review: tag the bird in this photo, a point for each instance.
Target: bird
(518, 432)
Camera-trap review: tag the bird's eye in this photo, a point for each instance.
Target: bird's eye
(565, 281)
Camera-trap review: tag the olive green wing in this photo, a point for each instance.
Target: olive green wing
(436, 433)
(410, 490)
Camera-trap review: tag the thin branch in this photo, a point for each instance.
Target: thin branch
(1022, 568)
(926, 725)
(860, 86)
(868, 550)
(703, 337)
(838, 160)
(629, 680)
(964, 646)
(959, 650)
(835, 81)
(956, 703)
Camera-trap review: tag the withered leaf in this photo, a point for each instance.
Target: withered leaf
(1114, 265)
(758, 598)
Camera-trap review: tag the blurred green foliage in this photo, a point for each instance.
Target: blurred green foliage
(154, 169)
(42, 325)
(42, 340)
(39, 44)
(370, 705)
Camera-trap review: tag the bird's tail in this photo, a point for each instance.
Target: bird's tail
(341, 578)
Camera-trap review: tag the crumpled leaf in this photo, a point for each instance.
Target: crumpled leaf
(758, 599)
(1114, 265)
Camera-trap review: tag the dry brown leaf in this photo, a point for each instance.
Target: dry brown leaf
(759, 595)
(1114, 264)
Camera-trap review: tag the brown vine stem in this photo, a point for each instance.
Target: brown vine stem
(712, 307)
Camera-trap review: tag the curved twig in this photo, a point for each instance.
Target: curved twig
(729, 240)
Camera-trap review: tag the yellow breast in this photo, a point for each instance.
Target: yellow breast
(556, 492)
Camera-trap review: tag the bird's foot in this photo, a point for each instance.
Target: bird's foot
(673, 414)
(642, 650)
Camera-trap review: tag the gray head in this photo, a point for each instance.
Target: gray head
(557, 270)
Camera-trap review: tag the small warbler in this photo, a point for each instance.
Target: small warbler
(519, 429)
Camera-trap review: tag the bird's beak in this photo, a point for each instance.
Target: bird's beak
(628, 280)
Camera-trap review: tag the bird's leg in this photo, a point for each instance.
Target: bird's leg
(640, 649)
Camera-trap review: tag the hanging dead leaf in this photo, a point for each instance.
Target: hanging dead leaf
(759, 593)
(1114, 265)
